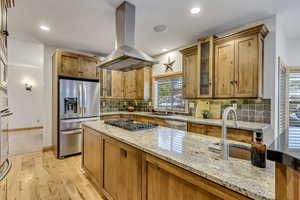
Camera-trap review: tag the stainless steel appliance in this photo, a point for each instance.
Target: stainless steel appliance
(130, 124)
(78, 101)
(125, 57)
(5, 164)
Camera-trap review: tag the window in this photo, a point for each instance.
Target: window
(169, 94)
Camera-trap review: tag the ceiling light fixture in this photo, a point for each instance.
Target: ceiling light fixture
(195, 11)
(164, 50)
(44, 28)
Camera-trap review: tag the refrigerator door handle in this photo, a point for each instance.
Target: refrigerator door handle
(84, 97)
(80, 99)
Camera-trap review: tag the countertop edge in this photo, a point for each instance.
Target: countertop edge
(281, 155)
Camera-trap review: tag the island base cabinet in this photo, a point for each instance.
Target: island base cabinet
(164, 181)
(91, 159)
(122, 171)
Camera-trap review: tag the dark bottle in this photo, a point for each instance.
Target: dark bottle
(258, 152)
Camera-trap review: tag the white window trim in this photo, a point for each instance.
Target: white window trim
(154, 99)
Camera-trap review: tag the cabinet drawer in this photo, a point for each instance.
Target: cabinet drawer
(216, 131)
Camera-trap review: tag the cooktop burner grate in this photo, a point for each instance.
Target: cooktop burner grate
(130, 124)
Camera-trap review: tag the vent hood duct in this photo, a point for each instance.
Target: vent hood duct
(125, 57)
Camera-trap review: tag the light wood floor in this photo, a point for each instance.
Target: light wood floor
(42, 176)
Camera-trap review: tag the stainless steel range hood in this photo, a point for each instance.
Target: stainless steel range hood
(125, 57)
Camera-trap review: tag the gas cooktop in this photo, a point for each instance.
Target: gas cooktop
(130, 124)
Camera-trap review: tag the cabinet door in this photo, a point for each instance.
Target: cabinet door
(131, 181)
(206, 68)
(190, 69)
(117, 84)
(130, 84)
(92, 151)
(88, 68)
(164, 181)
(246, 67)
(122, 171)
(224, 69)
(140, 83)
(111, 169)
(70, 65)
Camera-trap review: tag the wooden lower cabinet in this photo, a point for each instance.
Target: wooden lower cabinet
(216, 131)
(92, 151)
(164, 181)
(122, 172)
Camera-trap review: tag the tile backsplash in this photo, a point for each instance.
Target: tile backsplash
(249, 110)
(114, 105)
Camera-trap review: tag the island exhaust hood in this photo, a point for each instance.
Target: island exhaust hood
(125, 57)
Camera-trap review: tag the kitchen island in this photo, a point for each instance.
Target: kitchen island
(165, 163)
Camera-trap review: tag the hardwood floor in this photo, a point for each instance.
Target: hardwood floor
(41, 176)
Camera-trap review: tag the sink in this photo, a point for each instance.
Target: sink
(235, 150)
(162, 114)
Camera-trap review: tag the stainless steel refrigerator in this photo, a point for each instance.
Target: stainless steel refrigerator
(78, 101)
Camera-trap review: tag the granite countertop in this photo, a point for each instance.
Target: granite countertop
(190, 151)
(251, 126)
(286, 149)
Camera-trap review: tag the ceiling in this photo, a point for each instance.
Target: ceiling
(89, 25)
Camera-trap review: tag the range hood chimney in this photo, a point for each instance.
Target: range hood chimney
(125, 57)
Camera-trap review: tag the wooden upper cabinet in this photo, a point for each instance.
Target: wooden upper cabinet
(134, 84)
(117, 84)
(74, 65)
(130, 84)
(70, 65)
(88, 68)
(246, 67)
(205, 72)
(190, 72)
(239, 64)
(143, 83)
(224, 69)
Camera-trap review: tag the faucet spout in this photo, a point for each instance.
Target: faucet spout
(223, 142)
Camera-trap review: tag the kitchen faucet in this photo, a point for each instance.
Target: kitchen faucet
(224, 145)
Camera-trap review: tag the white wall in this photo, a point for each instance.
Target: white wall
(25, 105)
(25, 64)
(293, 52)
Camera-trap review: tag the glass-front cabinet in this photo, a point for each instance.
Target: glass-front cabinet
(206, 52)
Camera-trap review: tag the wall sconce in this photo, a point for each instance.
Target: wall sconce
(28, 87)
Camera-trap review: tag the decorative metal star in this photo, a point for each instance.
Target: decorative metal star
(169, 65)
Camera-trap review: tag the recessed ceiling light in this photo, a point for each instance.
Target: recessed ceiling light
(44, 28)
(164, 50)
(160, 28)
(195, 11)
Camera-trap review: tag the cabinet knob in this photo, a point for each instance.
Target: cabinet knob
(123, 152)
(231, 82)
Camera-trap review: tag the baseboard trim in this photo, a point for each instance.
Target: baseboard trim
(48, 148)
(25, 129)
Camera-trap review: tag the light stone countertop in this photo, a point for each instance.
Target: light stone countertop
(190, 151)
(251, 126)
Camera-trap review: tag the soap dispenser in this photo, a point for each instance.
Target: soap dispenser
(258, 152)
